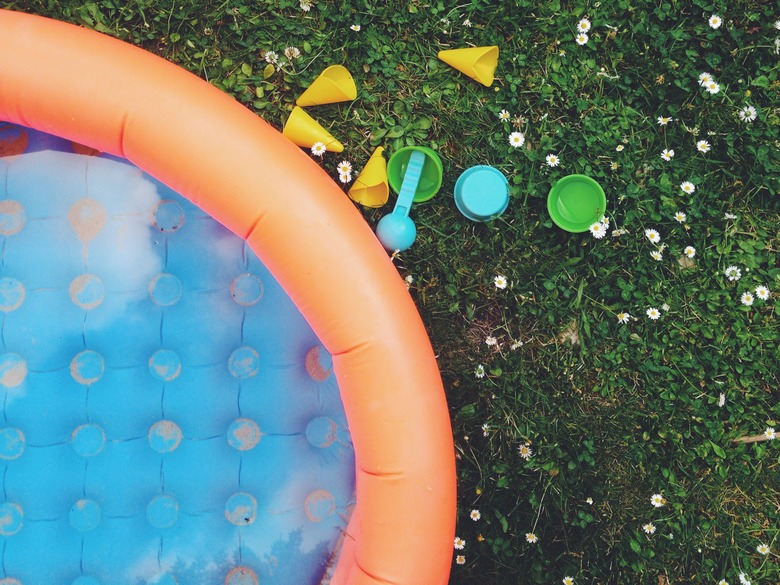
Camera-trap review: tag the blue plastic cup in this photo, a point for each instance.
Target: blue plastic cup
(482, 193)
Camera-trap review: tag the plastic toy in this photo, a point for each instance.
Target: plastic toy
(305, 131)
(197, 141)
(479, 63)
(576, 202)
(481, 193)
(334, 84)
(415, 172)
(370, 188)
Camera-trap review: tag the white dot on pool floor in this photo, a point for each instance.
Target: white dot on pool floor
(164, 436)
(162, 511)
(87, 367)
(11, 443)
(85, 515)
(88, 440)
(12, 217)
(11, 518)
(246, 289)
(243, 434)
(319, 505)
(241, 509)
(12, 294)
(165, 289)
(241, 576)
(13, 370)
(87, 291)
(165, 365)
(244, 362)
(168, 216)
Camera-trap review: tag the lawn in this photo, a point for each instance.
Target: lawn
(613, 398)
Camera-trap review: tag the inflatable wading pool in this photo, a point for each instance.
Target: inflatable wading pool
(210, 370)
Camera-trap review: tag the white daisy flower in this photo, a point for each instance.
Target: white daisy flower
(589, 501)
(475, 515)
(355, 27)
(657, 500)
(306, 5)
(525, 451)
(665, 307)
(770, 434)
(762, 292)
(733, 273)
(653, 314)
(705, 78)
(598, 230)
(649, 528)
(503, 115)
(712, 87)
(460, 544)
(620, 148)
(604, 221)
(318, 149)
(729, 216)
(467, 23)
(500, 281)
(479, 371)
(687, 187)
(568, 581)
(581, 38)
(531, 538)
(703, 146)
(743, 579)
(491, 341)
(460, 559)
(715, 21)
(664, 120)
(344, 167)
(657, 255)
(667, 154)
(748, 114)
(485, 430)
(747, 298)
(680, 216)
(762, 549)
(653, 236)
(777, 24)
(517, 139)
(272, 57)
(723, 582)
(552, 160)
(583, 25)
(690, 251)
(623, 317)
(345, 177)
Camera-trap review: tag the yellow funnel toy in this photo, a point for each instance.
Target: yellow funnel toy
(303, 130)
(479, 63)
(370, 189)
(334, 84)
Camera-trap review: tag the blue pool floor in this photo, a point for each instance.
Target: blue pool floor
(168, 416)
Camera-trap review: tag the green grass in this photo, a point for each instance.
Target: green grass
(613, 412)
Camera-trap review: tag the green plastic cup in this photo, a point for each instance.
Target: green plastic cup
(576, 202)
(430, 178)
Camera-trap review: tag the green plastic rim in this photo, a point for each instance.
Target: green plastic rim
(576, 202)
(430, 179)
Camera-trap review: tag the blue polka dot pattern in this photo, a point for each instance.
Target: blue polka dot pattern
(168, 415)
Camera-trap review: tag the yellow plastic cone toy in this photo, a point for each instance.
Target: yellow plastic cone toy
(479, 63)
(303, 130)
(334, 84)
(370, 189)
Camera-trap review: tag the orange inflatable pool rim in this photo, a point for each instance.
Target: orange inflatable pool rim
(118, 99)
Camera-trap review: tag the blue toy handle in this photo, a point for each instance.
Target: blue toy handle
(409, 186)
